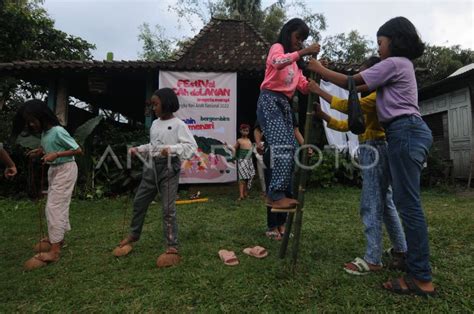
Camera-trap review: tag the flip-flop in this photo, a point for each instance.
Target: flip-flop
(228, 257)
(412, 288)
(256, 251)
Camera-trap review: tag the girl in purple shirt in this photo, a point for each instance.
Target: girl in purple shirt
(409, 140)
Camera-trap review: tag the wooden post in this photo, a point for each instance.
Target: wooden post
(62, 103)
(148, 93)
(52, 88)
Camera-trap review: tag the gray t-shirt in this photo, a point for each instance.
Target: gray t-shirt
(395, 82)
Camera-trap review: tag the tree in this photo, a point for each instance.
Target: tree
(350, 48)
(155, 45)
(268, 21)
(28, 33)
(438, 62)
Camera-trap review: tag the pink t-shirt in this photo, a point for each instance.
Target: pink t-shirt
(282, 74)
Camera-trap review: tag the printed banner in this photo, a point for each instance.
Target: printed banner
(208, 105)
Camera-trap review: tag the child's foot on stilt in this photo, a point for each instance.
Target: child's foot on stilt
(49, 257)
(45, 245)
(43, 259)
(42, 246)
(284, 203)
(128, 240)
(125, 246)
(169, 258)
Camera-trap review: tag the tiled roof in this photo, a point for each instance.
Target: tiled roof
(222, 45)
(80, 65)
(225, 45)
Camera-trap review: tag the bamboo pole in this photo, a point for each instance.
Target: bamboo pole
(301, 186)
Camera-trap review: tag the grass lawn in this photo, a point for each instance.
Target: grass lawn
(88, 278)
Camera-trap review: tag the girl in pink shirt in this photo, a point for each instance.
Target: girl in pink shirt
(283, 75)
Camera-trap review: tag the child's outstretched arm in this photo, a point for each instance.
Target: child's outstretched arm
(334, 77)
(300, 139)
(257, 134)
(279, 59)
(10, 170)
(35, 152)
(367, 103)
(332, 123)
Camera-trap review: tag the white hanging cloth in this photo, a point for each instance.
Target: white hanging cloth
(341, 140)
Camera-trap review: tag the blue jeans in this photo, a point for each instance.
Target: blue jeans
(376, 202)
(275, 119)
(409, 140)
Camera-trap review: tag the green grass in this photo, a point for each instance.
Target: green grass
(88, 278)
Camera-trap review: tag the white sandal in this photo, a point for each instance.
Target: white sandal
(361, 265)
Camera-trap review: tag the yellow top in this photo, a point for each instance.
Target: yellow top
(373, 129)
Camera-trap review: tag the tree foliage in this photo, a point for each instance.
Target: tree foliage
(439, 62)
(267, 20)
(350, 48)
(156, 46)
(28, 33)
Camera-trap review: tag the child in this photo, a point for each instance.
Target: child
(408, 137)
(283, 75)
(243, 153)
(376, 199)
(170, 141)
(57, 149)
(10, 170)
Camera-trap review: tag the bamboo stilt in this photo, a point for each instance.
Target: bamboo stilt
(301, 186)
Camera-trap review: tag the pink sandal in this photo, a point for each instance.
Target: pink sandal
(228, 257)
(256, 251)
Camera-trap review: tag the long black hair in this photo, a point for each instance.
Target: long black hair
(371, 61)
(169, 100)
(284, 38)
(37, 109)
(404, 38)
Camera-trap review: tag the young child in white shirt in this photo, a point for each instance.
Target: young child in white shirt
(170, 141)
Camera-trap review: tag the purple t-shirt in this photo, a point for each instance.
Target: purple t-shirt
(395, 82)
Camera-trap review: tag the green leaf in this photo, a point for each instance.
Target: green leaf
(86, 129)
